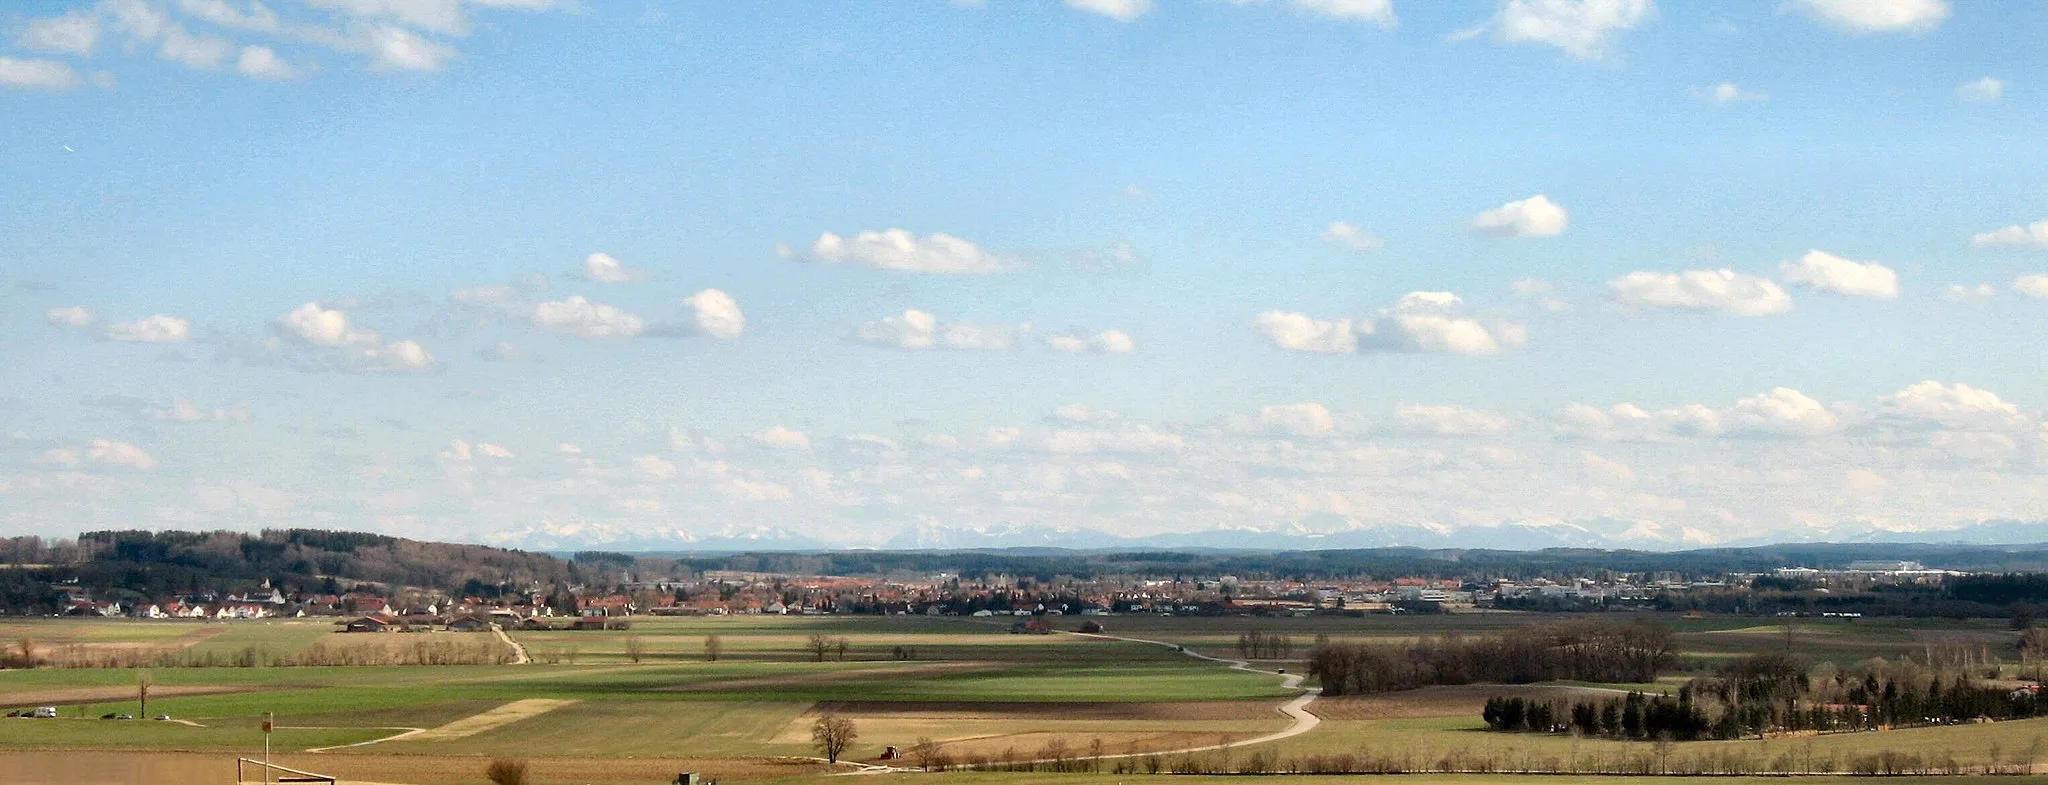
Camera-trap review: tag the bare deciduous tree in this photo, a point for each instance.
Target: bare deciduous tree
(832, 733)
(714, 646)
(636, 647)
(925, 752)
(818, 645)
(143, 681)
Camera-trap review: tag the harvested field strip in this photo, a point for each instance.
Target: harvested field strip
(1062, 710)
(108, 694)
(493, 719)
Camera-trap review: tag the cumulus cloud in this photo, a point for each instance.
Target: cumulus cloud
(1104, 342)
(1959, 293)
(1376, 12)
(1782, 412)
(1830, 273)
(716, 314)
(1959, 406)
(181, 411)
(76, 317)
(602, 268)
(1447, 420)
(899, 250)
(1302, 333)
(1081, 412)
(36, 74)
(2035, 286)
(585, 319)
(1981, 91)
(1720, 291)
(1120, 10)
(2033, 235)
(461, 451)
(1584, 29)
(915, 330)
(1875, 16)
(1726, 93)
(324, 338)
(1426, 322)
(1351, 238)
(1535, 216)
(203, 52)
(1299, 419)
(161, 328)
(782, 438)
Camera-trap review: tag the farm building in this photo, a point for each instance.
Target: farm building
(1091, 627)
(470, 623)
(369, 624)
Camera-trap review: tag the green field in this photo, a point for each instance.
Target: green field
(988, 695)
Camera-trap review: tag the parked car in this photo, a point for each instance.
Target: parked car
(163, 717)
(46, 713)
(107, 716)
(124, 717)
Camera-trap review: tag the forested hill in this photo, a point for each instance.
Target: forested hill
(152, 565)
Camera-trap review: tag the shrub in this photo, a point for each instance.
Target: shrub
(506, 771)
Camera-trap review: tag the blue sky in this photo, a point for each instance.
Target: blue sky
(1097, 206)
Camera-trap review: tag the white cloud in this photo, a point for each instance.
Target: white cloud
(161, 328)
(1958, 406)
(1135, 439)
(1727, 93)
(398, 49)
(1607, 470)
(1981, 91)
(440, 16)
(1120, 10)
(337, 344)
(1105, 342)
(320, 326)
(1447, 420)
(1722, 291)
(1301, 333)
(914, 330)
(1830, 273)
(1351, 238)
(74, 33)
(258, 18)
(1782, 412)
(1958, 293)
(1299, 419)
(204, 52)
(585, 319)
(102, 454)
(899, 250)
(38, 74)
(1428, 322)
(262, 62)
(1432, 322)
(2035, 286)
(181, 411)
(602, 268)
(782, 438)
(655, 467)
(1377, 12)
(716, 314)
(1584, 29)
(74, 317)
(1535, 216)
(1875, 16)
(1540, 291)
(2033, 235)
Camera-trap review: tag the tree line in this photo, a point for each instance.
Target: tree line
(1770, 694)
(1592, 650)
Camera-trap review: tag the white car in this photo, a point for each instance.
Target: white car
(46, 713)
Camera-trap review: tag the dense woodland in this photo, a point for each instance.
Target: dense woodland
(149, 565)
(1779, 693)
(1598, 651)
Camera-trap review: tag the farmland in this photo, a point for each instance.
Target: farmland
(624, 706)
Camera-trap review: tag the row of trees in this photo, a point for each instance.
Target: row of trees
(1594, 650)
(1776, 693)
(1256, 645)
